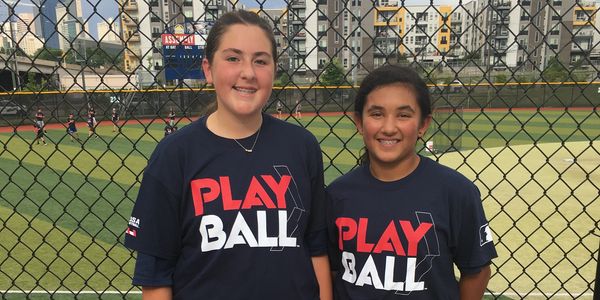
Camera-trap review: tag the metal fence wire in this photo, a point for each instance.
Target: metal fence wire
(514, 84)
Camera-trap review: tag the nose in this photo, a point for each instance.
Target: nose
(247, 71)
(389, 125)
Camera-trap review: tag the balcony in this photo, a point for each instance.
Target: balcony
(556, 18)
(556, 3)
(298, 3)
(156, 35)
(130, 6)
(502, 4)
(212, 5)
(187, 3)
(135, 52)
(154, 19)
(583, 48)
(153, 3)
(585, 33)
(524, 32)
(502, 20)
(301, 35)
(525, 3)
(135, 37)
(525, 18)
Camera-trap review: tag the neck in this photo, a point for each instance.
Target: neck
(233, 127)
(394, 171)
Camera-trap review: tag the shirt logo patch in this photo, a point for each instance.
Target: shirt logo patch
(135, 222)
(131, 232)
(485, 234)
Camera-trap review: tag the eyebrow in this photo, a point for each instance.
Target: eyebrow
(240, 52)
(401, 108)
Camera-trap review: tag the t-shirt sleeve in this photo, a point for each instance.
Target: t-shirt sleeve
(153, 271)
(333, 250)
(316, 231)
(473, 244)
(154, 224)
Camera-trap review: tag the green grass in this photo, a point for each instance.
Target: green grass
(64, 206)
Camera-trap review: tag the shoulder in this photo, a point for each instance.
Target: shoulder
(288, 131)
(348, 181)
(176, 145)
(449, 175)
(452, 181)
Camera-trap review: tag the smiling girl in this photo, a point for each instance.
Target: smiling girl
(400, 222)
(229, 206)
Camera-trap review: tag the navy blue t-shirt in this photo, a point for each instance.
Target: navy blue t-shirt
(390, 240)
(236, 223)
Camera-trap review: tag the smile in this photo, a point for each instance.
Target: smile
(388, 142)
(245, 90)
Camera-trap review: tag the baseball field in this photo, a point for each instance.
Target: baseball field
(64, 206)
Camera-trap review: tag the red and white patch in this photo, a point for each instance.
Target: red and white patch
(131, 232)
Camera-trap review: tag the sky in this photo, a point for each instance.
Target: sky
(94, 9)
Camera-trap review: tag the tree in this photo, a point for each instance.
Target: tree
(501, 78)
(333, 74)
(33, 86)
(282, 80)
(48, 54)
(555, 71)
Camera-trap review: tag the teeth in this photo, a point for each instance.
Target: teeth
(248, 91)
(388, 142)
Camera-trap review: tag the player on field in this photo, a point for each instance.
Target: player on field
(91, 122)
(171, 117)
(115, 119)
(71, 128)
(39, 126)
(401, 222)
(231, 207)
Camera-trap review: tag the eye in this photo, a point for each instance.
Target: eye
(261, 62)
(376, 114)
(232, 59)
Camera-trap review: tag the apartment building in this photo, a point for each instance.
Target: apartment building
(144, 22)
(302, 35)
(24, 34)
(278, 20)
(109, 31)
(350, 39)
(70, 24)
(502, 33)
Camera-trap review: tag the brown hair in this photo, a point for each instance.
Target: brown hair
(232, 18)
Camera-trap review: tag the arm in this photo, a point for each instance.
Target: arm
(323, 273)
(473, 286)
(157, 293)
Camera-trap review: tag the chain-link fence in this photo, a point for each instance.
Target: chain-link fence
(515, 92)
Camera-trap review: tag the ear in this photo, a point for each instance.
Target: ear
(206, 70)
(357, 118)
(424, 126)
